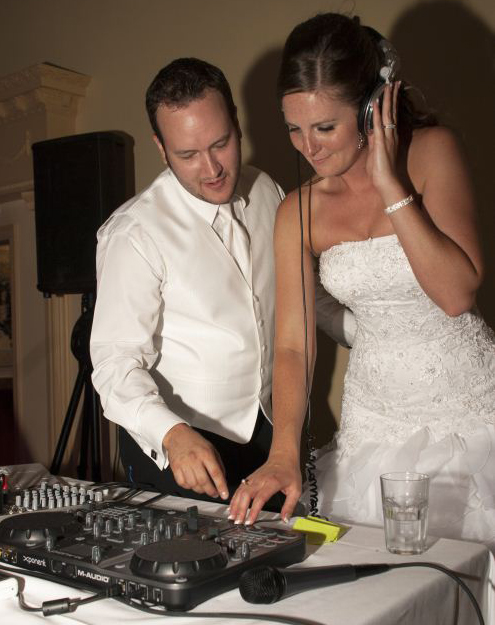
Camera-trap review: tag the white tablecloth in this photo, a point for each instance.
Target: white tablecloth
(410, 596)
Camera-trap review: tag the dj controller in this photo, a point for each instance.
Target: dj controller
(167, 557)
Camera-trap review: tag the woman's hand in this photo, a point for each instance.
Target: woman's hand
(383, 142)
(277, 474)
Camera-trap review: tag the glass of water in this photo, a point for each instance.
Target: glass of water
(405, 511)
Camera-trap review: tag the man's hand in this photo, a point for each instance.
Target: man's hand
(194, 462)
(277, 474)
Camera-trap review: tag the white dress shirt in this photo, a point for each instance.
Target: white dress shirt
(178, 334)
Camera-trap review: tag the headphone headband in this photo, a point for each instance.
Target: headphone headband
(389, 69)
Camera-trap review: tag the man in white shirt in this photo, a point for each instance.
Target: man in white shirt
(182, 340)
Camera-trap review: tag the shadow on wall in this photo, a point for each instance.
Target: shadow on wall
(449, 53)
(272, 152)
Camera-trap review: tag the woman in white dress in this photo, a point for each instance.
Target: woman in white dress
(391, 216)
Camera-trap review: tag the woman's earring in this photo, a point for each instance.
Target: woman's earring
(361, 141)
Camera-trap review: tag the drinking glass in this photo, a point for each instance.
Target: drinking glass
(405, 511)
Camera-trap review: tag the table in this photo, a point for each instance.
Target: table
(410, 596)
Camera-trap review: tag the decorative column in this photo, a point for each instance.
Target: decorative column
(37, 103)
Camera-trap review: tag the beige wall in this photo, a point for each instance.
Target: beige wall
(447, 48)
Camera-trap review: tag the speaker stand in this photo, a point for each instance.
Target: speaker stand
(91, 409)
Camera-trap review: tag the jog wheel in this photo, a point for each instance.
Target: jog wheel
(177, 558)
(35, 527)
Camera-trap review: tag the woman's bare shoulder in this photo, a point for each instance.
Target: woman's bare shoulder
(430, 142)
(433, 149)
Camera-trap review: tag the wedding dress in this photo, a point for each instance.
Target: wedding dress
(419, 395)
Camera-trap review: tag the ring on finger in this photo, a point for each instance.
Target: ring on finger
(389, 126)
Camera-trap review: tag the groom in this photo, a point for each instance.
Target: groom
(182, 339)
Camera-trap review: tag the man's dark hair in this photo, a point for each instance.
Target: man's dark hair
(183, 81)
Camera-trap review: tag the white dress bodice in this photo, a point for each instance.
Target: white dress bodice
(411, 365)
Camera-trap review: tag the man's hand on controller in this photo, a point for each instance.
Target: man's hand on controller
(195, 462)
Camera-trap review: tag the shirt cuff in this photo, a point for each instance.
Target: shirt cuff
(154, 423)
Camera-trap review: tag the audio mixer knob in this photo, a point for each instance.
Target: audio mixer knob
(245, 551)
(179, 528)
(95, 554)
(96, 529)
(145, 539)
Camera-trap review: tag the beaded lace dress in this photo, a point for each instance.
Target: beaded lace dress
(419, 394)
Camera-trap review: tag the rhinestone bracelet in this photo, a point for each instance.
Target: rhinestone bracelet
(393, 207)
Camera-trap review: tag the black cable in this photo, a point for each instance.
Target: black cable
(56, 606)
(151, 500)
(310, 448)
(291, 620)
(451, 574)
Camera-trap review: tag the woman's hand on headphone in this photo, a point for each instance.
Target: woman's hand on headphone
(384, 141)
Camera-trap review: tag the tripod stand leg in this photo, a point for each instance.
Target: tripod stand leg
(86, 426)
(68, 421)
(90, 430)
(96, 451)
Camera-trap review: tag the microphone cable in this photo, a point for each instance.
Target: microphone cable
(267, 584)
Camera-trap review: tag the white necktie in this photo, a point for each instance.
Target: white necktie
(235, 238)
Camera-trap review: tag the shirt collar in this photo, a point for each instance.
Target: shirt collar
(207, 210)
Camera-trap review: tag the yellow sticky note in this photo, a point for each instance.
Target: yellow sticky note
(319, 531)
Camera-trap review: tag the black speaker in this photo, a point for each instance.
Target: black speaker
(78, 182)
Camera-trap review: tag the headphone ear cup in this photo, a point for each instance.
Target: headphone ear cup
(365, 114)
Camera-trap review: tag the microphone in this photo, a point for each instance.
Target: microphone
(268, 584)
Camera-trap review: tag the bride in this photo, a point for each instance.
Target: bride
(390, 215)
